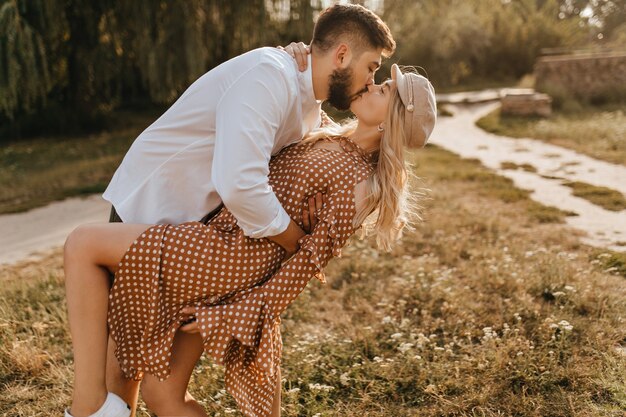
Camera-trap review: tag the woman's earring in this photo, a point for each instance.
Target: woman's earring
(380, 128)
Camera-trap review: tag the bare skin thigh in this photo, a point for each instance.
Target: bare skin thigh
(91, 251)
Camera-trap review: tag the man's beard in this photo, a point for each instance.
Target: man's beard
(339, 85)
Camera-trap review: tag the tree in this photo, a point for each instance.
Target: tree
(25, 78)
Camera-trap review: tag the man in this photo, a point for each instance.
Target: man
(213, 145)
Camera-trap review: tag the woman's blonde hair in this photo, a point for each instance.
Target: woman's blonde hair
(391, 205)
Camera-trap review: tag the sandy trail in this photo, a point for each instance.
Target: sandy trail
(604, 228)
(35, 232)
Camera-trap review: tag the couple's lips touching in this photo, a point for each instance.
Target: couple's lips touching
(358, 94)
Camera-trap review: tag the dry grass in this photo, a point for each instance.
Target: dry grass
(599, 132)
(485, 310)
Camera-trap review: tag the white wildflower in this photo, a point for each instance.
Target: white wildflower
(405, 346)
(344, 379)
(396, 335)
(565, 326)
(489, 333)
(320, 387)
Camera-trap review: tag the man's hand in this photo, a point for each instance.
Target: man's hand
(299, 52)
(290, 237)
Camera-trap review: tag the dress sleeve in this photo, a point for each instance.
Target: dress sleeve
(244, 335)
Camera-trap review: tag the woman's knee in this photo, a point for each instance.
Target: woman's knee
(77, 243)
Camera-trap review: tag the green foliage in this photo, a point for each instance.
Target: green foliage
(24, 75)
(457, 41)
(88, 58)
(34, 172)
(91, 57)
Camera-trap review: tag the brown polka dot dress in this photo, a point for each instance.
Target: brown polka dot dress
(237, 282)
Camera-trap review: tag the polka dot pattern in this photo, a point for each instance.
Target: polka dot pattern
(237, 282)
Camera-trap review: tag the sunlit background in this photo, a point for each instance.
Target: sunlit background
(508, 299)
(66, 65)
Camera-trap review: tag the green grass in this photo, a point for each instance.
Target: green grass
(513, 165)
(446, 167)
(35, 172)
(601, 196)
(599, 132)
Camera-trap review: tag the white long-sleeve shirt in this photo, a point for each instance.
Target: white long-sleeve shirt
(214, 144)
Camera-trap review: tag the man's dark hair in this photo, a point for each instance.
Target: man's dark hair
(361, 27)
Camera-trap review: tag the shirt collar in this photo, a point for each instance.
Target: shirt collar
(306, 84)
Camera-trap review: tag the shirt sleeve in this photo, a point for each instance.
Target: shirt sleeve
(247, 119)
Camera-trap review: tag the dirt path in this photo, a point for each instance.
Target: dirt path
(604, 228)
(35, 232)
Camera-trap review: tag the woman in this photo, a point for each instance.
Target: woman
(235, 287)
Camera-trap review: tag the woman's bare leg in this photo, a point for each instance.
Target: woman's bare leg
(128, 389)
(170, 397)
(117, 383)
(277, 393)
(90, 250)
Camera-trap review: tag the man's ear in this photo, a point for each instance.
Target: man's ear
(343, 56)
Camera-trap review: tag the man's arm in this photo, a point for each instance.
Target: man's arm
(247, 119)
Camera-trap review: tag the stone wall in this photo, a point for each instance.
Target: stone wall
(592, 77)
(525, 103)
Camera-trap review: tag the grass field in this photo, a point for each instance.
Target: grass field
(491, 307)
(35, 172)
(599, 132)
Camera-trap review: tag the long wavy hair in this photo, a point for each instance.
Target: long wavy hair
(391, 204)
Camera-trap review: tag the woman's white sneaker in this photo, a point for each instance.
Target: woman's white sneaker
(113, 406)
